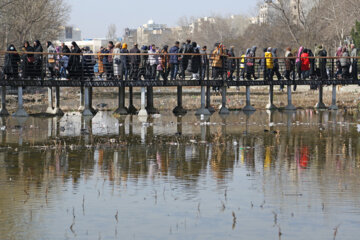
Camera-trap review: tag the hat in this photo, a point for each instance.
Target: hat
(124, 46)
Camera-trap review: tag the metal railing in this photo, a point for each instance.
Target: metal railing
(164, 67)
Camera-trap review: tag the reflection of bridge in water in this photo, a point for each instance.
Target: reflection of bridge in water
(86, 81)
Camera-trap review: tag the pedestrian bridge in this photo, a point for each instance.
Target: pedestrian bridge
(234, 72)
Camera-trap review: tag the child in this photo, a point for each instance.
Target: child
(64, 62)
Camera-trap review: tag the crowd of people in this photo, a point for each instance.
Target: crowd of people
(116, 62)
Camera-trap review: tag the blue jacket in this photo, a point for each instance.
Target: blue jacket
(174, 59)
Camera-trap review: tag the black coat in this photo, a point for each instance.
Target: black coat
(195, 61)
(136, 58)
(74, 65)
(11, 66)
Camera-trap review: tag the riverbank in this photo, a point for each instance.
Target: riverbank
(348, 97)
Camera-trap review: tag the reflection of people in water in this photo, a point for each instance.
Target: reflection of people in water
(267, 162)
(304, 157)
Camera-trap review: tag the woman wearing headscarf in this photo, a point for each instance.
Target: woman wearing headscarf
(345, 63)
(51, 58)
(298, 61)
(38, 49)
(74, 66)
(250, 64)
(163, 66)
(195, 62)
(116, 60)
(28, 61)
(12, 59)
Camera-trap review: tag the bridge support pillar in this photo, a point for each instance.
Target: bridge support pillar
(248, 107)
(50, 108)
(20, 112)
(179, 110)
(82, 102)
(290, 106)
(203, 110)
(320, 104)
(3, 110)
(94, 111)
(87, 110)
(270, 105)
(57, 110)
(132, 110)
(121, 110)
(224, 110)
(208, 100)
(150, 101)
(142, 112)
(333, 99)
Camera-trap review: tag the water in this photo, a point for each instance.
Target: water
(280, 175)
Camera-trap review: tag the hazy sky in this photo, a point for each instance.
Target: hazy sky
(94, 16)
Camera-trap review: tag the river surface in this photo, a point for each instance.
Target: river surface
(260, 176)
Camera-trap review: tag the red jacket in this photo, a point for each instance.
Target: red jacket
(305, 62)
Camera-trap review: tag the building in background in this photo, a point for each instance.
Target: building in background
(69, 33)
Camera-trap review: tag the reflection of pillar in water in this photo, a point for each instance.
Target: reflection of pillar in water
(143, 122)
(122, 132)
(179, 125)
(21, 162)
(247, 118)
(150, 129)
(57, 126)
(131, 124)
(21, 122)
(289, 115)
(4, 130)
(86, 129)
(223, 126)
(50, 127)
(271, 119)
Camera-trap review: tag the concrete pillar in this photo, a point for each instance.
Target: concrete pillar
(57, 110)
(150, 101)
(50, 108)
(224, 109)
(121, 110)
(290, 106)
(179, 110)
(320, 104)
(132, 109)
(248, 107)
(94, 111)
(333, 99)
(208, 100)
(3, 110)
(271, 105)
(203, 110)
(20, 112)
(82, 102)
(87, 111)
(142, 111)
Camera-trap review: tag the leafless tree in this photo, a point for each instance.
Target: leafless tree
(29, 20)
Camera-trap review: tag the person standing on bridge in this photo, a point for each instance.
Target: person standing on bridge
(231, 63)
(143, 67)
(204, 62)
(134, 62)
(11, 64)
(298, 62)
(109, 64)
(27, 61)
(250, 63)
(217, 63)
(74, 65)
(38, 59)
(305, 64)
(269, 64)
(354, 62)
(195, 62)
(289, 65)
(174, 61)
(124, 62)
(116, 60)
(153, 62)
(276, 68)
(345, 63)
(51, 59)
(187, 49)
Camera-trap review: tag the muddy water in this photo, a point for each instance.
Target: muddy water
(280, 175)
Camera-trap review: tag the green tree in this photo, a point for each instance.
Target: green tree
(355, 34)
